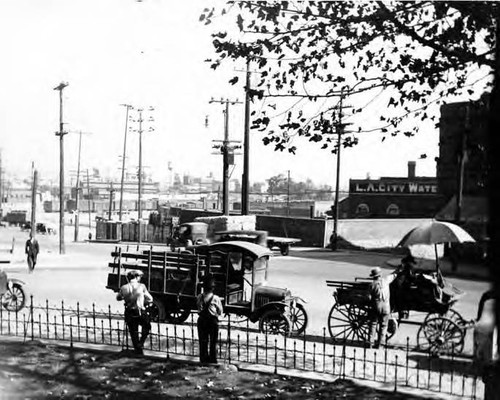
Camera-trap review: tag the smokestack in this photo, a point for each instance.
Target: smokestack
(411, 169)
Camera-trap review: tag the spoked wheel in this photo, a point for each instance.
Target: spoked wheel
(177, 316)
(452, 314)
(349, 322)
(14, 298)
(440, 335)
(156, 311)
(298, 319)
(274, 322)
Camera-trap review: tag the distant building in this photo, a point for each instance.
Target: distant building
(393, 197)
(463, 128)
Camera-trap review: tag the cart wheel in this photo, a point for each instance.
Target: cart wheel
(177, 316)
(284, 249)
(156, 311)
(440, 335)
(452, 314)
(349, 322)
(274, 322)
(14, 299)
(298, 319)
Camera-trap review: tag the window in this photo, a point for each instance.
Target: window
(362, 210)
(393, 209)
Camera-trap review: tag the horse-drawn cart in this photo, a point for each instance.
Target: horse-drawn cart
(240, 270)
(441, 331)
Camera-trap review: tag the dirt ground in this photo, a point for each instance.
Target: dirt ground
(34, 370)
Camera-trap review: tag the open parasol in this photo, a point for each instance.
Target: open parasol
(434, 233)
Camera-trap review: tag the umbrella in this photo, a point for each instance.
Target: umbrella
(435, 232)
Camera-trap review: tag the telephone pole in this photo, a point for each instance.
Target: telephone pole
(288, 195)
(77, 209)
(340, 129)
(33, 202)
(139, 205)
(61, 134)
(227, 150)
(129, 107)
(245, 181)
(89, 205)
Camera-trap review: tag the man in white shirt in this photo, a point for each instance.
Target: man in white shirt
(136, 296)
(209, 310)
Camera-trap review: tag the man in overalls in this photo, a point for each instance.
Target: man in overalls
(380, 306)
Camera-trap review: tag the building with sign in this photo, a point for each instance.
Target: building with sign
(393, 197)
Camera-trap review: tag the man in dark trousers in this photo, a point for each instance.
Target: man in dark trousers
(31, 249)
(136, 297)
(380, 306)
(209, 310)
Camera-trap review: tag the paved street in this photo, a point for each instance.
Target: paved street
(80, 276)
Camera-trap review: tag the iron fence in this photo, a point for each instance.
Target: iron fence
(241, 343)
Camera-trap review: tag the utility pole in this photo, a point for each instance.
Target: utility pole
(227, 150)
(245, 181)
(89, 204)
(139, 205)
(340, 131)
(33, 202)
(77, 209)
(61, 134)
(288, 195)
(111, 197)
(129, 107)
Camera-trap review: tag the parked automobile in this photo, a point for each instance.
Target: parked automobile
(41, 227)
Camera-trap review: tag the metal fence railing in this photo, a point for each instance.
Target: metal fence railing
(241, 343)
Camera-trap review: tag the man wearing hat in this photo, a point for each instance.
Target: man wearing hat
(380, 305)
(209, 310)
(136, 296)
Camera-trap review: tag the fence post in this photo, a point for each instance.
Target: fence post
(31, 317)
(396, 375)
(71, 332)
(275, 356)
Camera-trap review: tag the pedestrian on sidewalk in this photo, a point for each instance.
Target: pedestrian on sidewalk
(136, 297)
(32, 248)
(209, 310)
(380, 306)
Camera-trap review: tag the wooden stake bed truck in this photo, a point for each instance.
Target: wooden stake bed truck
(240, 270)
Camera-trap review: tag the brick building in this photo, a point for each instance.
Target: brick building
(393, 197)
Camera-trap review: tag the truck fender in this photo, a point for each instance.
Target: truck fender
(275, 305)
(12, 281)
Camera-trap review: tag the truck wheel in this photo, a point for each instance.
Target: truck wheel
(177, 316)
(284, 249)
(298, 318)
(274, 322)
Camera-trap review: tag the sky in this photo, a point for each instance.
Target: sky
(147, 54)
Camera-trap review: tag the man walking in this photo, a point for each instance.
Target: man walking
(136, 296)
(31, 249)
(380, 306)
(209, 309)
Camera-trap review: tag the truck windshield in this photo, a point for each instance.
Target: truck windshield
(260, 270)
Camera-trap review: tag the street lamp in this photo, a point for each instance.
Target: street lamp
(61, 134)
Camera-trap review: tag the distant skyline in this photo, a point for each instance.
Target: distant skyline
(148, 53)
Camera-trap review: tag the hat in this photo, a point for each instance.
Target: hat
(209, 282)
(134, 273)
(409, 259)
(375, 272)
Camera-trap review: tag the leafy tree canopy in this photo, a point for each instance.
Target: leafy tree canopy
(411, 54)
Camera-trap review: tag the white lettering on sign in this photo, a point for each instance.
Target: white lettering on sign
(381, 187)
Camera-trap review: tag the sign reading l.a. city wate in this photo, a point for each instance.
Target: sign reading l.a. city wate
(409, 187)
